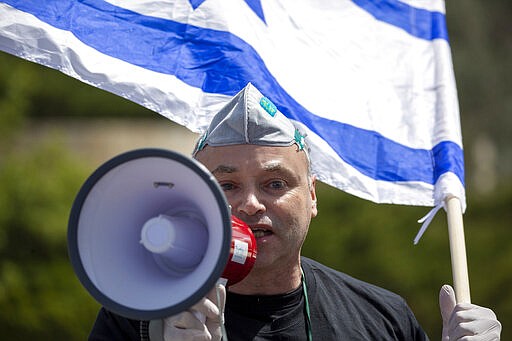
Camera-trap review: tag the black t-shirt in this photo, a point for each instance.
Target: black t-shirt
(341, 308)
(272, 317)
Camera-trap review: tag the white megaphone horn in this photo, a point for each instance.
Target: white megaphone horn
(150, 233)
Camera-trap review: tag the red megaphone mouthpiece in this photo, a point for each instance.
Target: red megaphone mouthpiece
(242, 254)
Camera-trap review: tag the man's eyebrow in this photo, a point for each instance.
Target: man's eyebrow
(273, 167)
(278, 167)
(224, 169)
(269, 167)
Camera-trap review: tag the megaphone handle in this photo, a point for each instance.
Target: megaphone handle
(201, 317)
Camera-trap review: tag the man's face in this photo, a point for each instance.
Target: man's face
(270, 189)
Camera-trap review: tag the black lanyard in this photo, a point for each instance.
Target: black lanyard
(306, 307)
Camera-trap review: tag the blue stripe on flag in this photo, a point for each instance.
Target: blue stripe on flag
(216, 62)
(418, 22)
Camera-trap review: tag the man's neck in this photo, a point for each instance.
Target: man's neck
(265, 281)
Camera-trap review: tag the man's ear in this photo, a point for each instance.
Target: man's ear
(312, 191)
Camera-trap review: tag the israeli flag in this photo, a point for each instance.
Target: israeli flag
(371, 81)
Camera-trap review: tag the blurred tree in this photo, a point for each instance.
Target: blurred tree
(481, 41)
(15, 93)
(41, 297)
(39, 294)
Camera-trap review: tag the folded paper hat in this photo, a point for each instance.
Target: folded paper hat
(250, 118)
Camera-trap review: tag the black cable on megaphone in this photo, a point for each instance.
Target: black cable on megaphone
(150, 233)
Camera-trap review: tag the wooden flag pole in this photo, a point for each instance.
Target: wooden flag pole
(458, 250)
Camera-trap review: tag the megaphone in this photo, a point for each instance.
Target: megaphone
(150, 233)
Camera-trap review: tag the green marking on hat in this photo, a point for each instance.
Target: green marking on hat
(268, 106)
(299, 139)
(201, 142)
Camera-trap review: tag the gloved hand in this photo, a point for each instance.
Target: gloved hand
(203, 321)
(466, 319)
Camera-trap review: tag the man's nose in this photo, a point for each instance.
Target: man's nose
(250, 204)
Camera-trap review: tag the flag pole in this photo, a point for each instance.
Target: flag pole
(457, 250)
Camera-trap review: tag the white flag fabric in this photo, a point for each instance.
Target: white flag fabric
(371, 82)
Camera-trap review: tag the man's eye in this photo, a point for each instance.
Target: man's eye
(227, 186)
(277, 184)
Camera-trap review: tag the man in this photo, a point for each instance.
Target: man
(261, 161)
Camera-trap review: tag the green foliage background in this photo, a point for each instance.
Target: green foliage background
(40, 297)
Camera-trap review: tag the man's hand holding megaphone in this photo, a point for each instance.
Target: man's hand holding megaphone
(202, 321)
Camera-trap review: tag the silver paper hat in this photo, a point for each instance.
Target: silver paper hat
(250, 118)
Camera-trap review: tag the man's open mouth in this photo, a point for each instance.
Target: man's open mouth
(258, 232)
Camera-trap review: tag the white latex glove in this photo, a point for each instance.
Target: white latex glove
(466, 321)
(202, 321)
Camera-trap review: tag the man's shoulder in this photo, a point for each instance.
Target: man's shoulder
(326, 278)
(325, 272)
(351, 304)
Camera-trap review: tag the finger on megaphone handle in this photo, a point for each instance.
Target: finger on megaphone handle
(200, 316)
(211, 306)
(216, 325)
(221, 298)
(184, 326)
(184, 320)
(201, 321)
